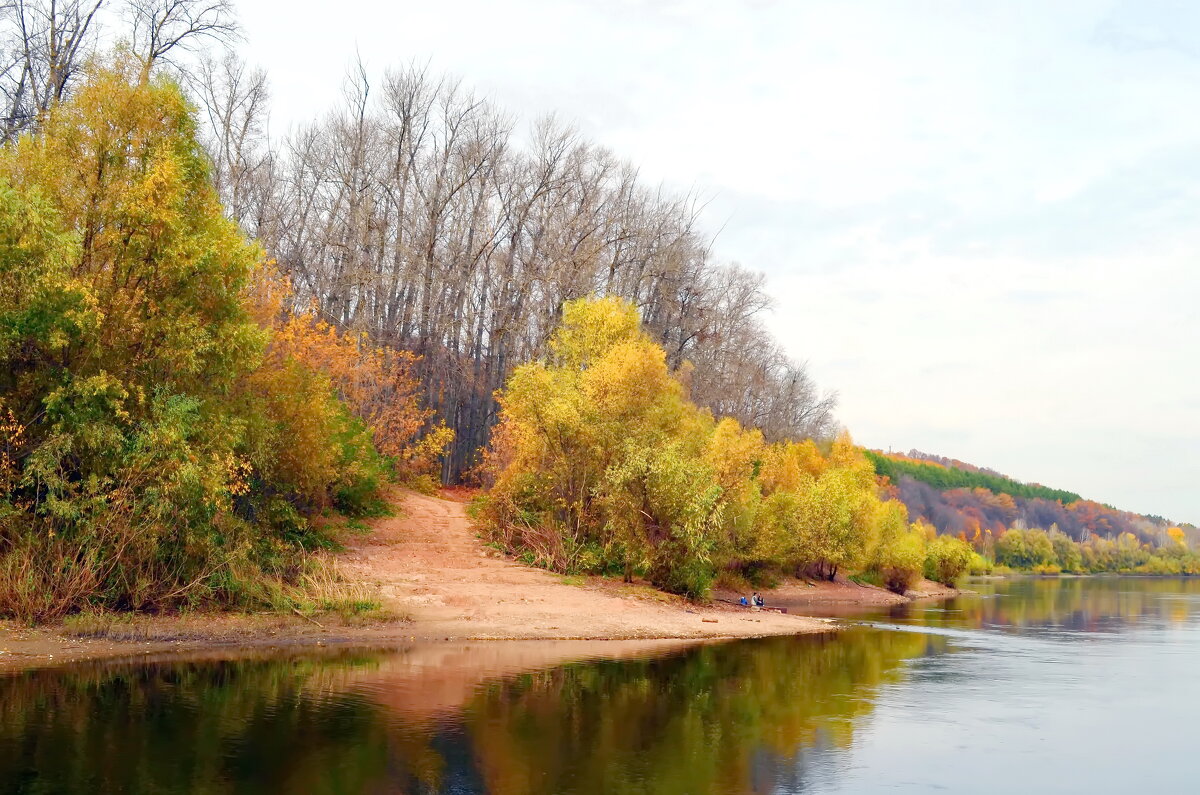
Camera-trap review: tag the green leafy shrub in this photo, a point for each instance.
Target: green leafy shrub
(980, 565)
(901, 561)
(157, 449)
(947, 559)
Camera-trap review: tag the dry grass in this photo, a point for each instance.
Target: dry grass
(47, 584)
(45, 581)
(325, 587)
(730, 580)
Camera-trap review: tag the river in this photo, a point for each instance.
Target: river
(1037, 685)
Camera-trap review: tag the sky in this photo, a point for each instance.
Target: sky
(977, 218)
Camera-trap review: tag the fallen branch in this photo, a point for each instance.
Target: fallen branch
(306, 618)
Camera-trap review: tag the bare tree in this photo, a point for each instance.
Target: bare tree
(160, 27)
(233, 99)
(43, 44)
(414, 214)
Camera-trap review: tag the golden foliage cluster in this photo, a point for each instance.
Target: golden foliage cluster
(601, 463)
(377, 384)
(165, 431)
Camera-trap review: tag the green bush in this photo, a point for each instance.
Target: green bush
(980, 565)
(947, 559)
(901, 560)
(156, 449)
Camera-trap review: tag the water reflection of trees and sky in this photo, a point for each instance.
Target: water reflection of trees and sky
(1051, 685)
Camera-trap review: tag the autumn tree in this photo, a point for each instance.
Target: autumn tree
(377, 385)
(899, 558)
(1066, 551)
(153, 452)
(600, 463)
(597, 454)
(947, 559)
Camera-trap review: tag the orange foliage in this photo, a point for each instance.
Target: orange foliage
(1177, 535)
(378, 385)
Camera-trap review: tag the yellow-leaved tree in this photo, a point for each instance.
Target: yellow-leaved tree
(597, 458)
(162, 441)
(377, 385)
(600, 463)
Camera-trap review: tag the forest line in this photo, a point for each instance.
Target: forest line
(415, 211)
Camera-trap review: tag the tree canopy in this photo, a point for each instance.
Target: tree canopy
(601, 462)
(165, 431)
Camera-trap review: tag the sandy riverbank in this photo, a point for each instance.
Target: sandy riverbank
(439, 583)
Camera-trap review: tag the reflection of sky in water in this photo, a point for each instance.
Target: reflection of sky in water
(1050, 686)
(1037, 685)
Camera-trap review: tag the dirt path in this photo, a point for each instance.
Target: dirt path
(428, 564)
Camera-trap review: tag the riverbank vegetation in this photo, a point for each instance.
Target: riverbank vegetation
(601, 463)
(170, 423)
(1032, 528)
(1053, 552)
(180, 403)
(956, 497)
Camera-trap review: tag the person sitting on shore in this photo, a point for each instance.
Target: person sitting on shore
(744, 603)
(759, 601)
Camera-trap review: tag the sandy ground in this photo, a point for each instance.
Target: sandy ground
(429, 565)
(430, 569)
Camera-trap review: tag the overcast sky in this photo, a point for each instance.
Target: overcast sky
(978, 219)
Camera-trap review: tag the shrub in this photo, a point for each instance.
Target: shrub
(598, 447)
(378, 386)
(980, 565)
(899, 557)
(160, 444)
(947, 559)
(901, 561)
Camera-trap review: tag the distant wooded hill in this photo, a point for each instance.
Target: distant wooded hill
(957, 497)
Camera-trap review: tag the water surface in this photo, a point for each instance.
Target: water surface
(1037, 685)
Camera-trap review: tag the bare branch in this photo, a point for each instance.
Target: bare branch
(161, 27)
(43, 45)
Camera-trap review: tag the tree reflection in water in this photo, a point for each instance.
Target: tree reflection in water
(733, 717)
(1074, 605)
(742, 717)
